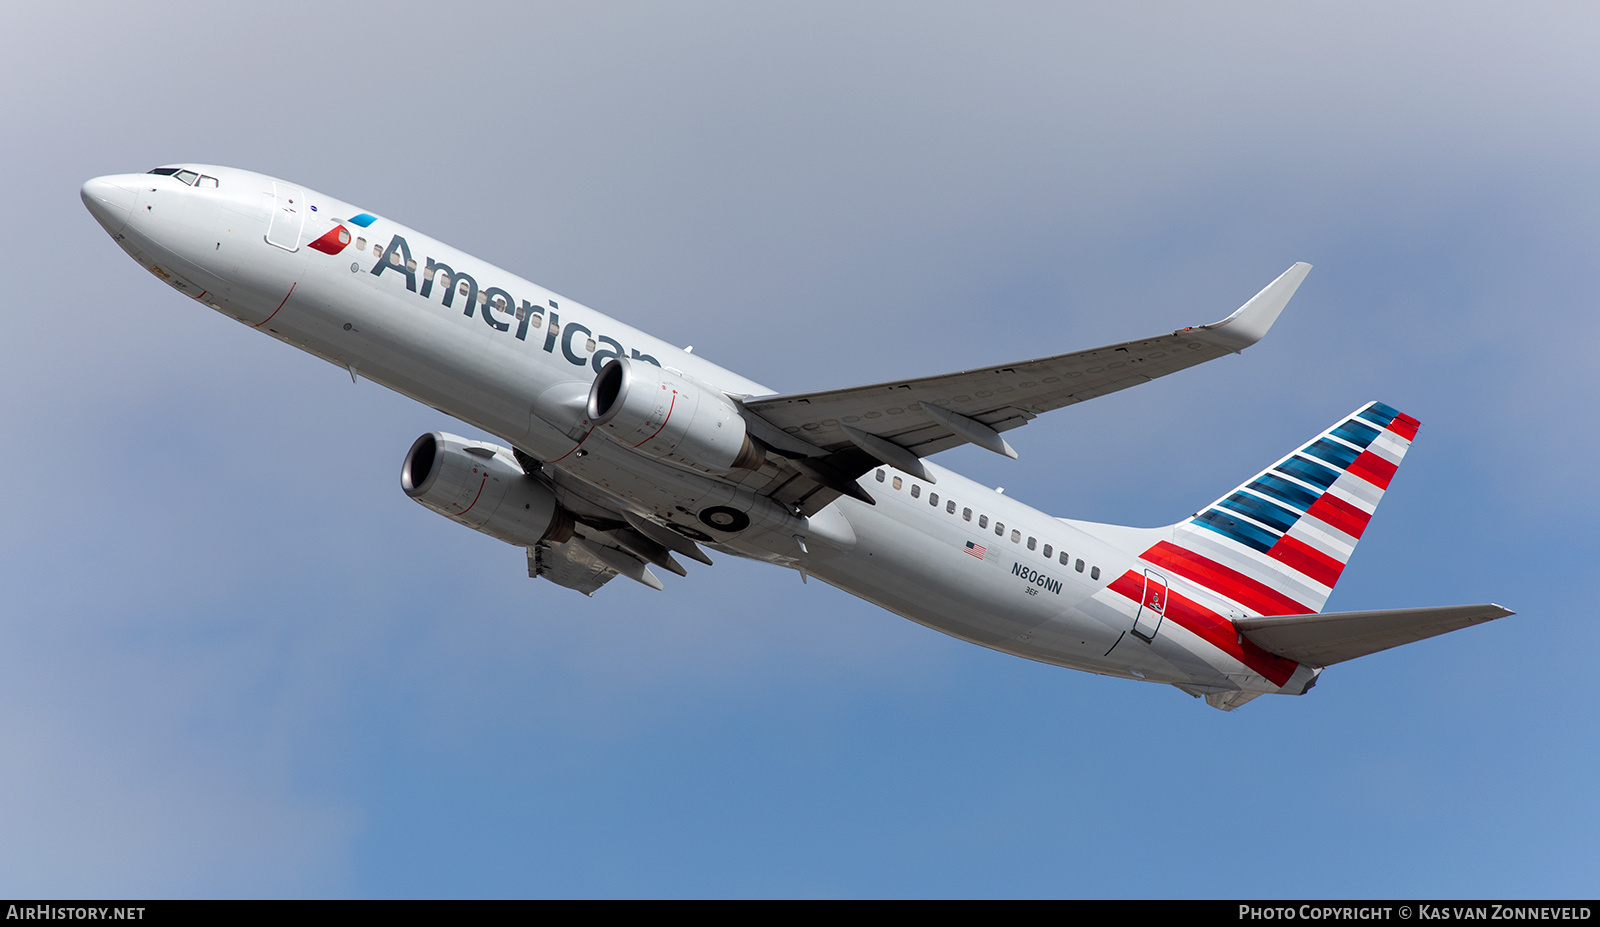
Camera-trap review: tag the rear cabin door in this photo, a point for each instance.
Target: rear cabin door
(1152, 607)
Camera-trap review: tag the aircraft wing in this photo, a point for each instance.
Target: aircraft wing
(900, 421)
(1334, 637)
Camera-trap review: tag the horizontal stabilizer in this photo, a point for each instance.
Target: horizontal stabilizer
(1334, 637)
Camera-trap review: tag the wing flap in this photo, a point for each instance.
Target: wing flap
(1334, 637)
(569, 564)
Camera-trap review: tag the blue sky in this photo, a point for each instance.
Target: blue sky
(236, 661)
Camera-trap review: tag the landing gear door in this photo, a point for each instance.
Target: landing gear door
(1152, 607)
(288, 217)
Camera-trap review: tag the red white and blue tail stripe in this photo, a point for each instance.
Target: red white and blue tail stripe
(1277, 544)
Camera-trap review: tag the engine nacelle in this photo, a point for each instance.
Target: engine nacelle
(483, 487)
(661, 414)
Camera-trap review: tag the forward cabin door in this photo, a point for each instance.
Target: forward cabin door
(1152, 607)
(288, 217)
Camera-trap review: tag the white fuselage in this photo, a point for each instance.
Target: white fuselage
(244, 246)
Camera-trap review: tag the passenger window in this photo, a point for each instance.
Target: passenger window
(880, 476)
(999, 530)
(1016, 536)
(1032, 543)
(589, 345)
(933, 499)
(394, 258)
(896, 483)
(377, 250)
(1094, 573)
(1064, 558)
(361, 245)
(1047, 552)
(966, 514)
(538, 319)
(411, 266)
(983, 521)
(916, 490)
(1078, 566)
(950, 506)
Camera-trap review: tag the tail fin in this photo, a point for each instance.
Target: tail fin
(1277, 544)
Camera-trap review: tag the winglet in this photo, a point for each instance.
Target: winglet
(1252, 320)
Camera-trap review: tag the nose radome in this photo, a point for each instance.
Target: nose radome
(110, 200)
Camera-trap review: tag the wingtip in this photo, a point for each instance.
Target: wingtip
(1251, 322)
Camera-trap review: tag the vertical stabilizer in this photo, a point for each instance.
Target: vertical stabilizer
(1277, 544)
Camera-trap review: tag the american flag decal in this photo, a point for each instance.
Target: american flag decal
(976, 550)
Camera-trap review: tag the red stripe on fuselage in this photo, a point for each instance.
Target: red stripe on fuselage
(1298, 555)
(1212, 628)
(1252, 594)
(1129, 584)
(1340, 514)
(1374, 469)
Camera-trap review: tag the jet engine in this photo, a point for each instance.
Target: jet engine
(483, 487)
(670, 417)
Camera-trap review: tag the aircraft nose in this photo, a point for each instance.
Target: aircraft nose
(110, 200)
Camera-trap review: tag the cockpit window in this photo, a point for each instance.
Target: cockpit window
(189, 177)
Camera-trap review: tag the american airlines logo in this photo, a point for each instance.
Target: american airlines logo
(498, 309)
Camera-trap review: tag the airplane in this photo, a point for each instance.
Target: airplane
(622, 451)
